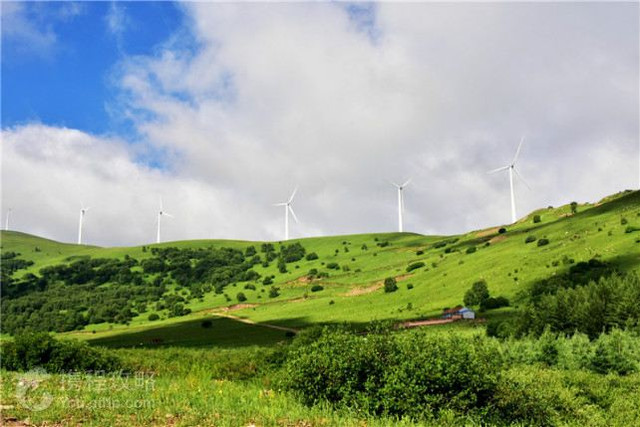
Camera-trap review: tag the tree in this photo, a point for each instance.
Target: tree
(390, 285)
(241, 297)
(478, 293)
(574, 208)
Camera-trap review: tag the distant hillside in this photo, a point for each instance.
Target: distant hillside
(345, 283)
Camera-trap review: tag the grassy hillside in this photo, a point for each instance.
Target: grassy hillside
(353, 292)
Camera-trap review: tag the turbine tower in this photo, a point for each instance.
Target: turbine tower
(401, 203)
(287, 209)
(6, 224)
(511, 167)
(161, 213)
(83, 211)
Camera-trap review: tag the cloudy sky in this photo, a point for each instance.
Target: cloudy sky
(222, 109)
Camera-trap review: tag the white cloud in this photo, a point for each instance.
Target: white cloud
(278, 95)
(29, 34)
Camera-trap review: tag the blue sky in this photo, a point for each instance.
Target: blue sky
(68, 82)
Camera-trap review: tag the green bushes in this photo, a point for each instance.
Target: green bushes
(536, 219)
(471, 250)
(153, 316)
(410, 374)
(333, 266)
(543, 242)
(241, 297)
(478, 293)
(40, 350)
(316, 288)
(530, 239)
(390, 285)
(311, 256)
(415, 266)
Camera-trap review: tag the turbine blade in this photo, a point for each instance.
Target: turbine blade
(521, 178)
(394, 184)
(293, 194)
(504, 168)
(167, 214)
(160, 203)
(293, 214)
(406, 183)
(281, 204)
(515, 159)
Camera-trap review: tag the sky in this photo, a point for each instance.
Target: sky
(220, 110)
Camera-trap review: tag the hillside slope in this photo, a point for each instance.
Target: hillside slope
(352, 291)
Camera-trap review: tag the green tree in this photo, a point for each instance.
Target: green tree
(478, 293)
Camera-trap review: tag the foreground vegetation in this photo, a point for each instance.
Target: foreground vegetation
(337, 377)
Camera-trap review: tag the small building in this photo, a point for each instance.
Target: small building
(458, 312)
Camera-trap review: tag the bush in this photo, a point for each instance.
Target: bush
(399, 375)
(409, 286)
(471, 249)
(415, 266)
(267, 281)
(333, 266)
(390, 285)
(574, 208)
(311, 256)
(493, 303)
(418, 253)
(206, 324)
(274, 292)
(536, 219)
(530, 239)
(153, 316)
(502, 230)
(631, 229)
(543, 242)
(40, 350)
(251, 286)
(241, 297)
(316, 288)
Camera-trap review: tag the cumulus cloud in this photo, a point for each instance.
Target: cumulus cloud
(260, 98)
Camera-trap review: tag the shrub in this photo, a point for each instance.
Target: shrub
(311, 256)
(206, 324)
(530, 239)
(333, 266)
(418, 253)
(267, 281)
(274, 292)
(623, 221)
(153, 316)
(493, 303)
(543, 242)
(502, 230)
(536, 219)
(390, 285)
(251, 286)
(399, 375)
(241, 297)
(316, 288)
(631, 229)
(471, 249)
(40, 350)
(415, 266)
(409, 286)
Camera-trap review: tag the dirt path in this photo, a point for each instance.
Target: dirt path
(251, 322)
(417, 323)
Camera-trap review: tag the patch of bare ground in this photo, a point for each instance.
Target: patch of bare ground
(238, 307)
(487, 232)
(497, 239)
(362, 290)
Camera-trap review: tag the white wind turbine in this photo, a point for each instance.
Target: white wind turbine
(401, 203)
(161, 213)
(83, 211)
(6, 224)
(511, 167)
(287, 209)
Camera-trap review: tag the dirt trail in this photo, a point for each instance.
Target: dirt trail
(251, 322)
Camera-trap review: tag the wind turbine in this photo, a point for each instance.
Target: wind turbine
(287, 209)
(83, 211)
(511, 167)
(6, 225)
(401, 202)
(161, 213)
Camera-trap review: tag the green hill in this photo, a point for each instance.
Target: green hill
(355, 267)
